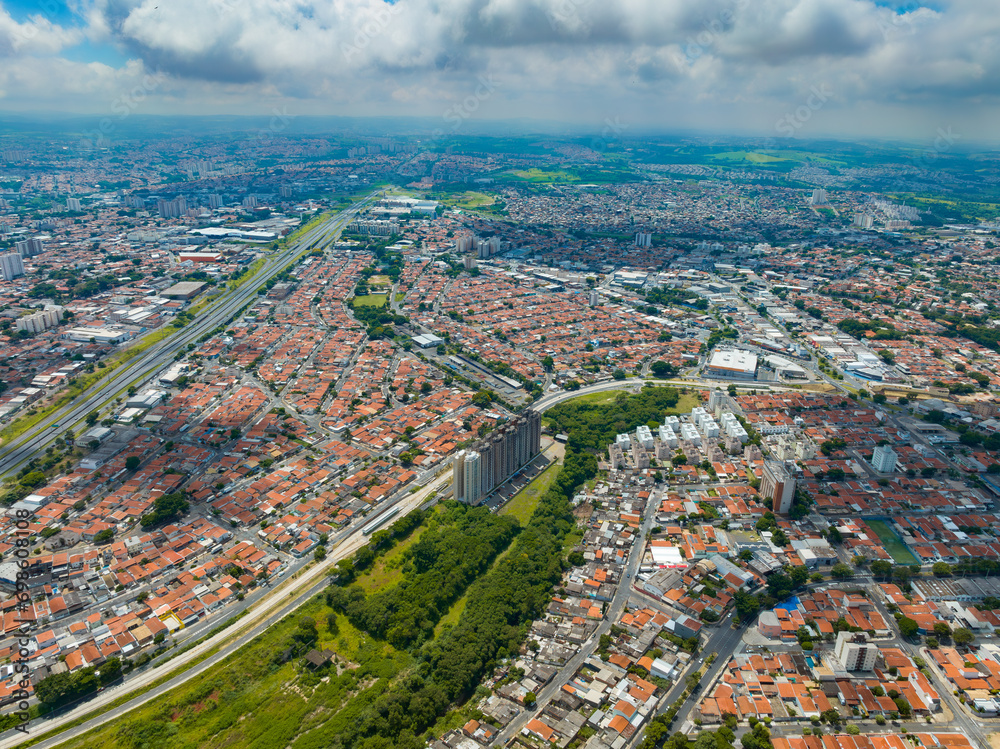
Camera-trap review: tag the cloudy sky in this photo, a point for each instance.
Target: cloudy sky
(807, 68)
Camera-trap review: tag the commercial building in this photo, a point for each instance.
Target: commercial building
(884, 459)
(11, 266)
(732, 364)
(477, 472)
(200, 257)
(427, 340)
(778, 484)
(854, 651)
(184, 290)
(96, 335)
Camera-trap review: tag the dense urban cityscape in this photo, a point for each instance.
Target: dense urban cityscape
(499, 374)
(356, 440)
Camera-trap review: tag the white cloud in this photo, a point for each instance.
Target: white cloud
(666, 60)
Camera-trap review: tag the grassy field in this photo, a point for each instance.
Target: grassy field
(524, 502)
(543, 175)
(818, 387)
(388, 569)
(899, 551)
(255, 700)
(252, 270)
(205, 301)
(748, 156)
(261, 698)
(454, 613)
(370, 300)
(684, 405)
(470, 200)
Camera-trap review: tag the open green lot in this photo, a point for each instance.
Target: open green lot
(524, 502)
(899, 551)
(370, 300)
(748, 156)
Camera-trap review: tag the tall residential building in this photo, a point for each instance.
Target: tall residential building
(884, 459)
(134, 201)
(819, 196)
(73, 204)
(854, 651)
(778, 484)
(29, 247)
(643, 239)
(458, 476)
(40, 321)
(464, 243)
(250, 201)
(285, 191)
(11, 266)
(594, 298)
(487, 248)
(214, 201)
(172, 208)
(863, 221)
(476, 473)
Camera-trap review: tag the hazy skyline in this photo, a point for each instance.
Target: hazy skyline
(807, 68)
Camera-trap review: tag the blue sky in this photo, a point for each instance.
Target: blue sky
(746, 66)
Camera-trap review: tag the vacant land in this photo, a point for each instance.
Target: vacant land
(899, 551)
(525, 501)
(748, 156)
(370, 300)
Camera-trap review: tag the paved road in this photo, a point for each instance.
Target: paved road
(613, 614)
(35, 439)
(281, 601)
(723, 641)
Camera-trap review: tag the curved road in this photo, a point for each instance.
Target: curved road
(266, 616)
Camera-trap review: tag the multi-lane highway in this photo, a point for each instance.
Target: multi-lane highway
(274, 604)
(38, 437)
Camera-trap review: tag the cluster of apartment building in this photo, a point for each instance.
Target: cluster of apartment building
(480, 470)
